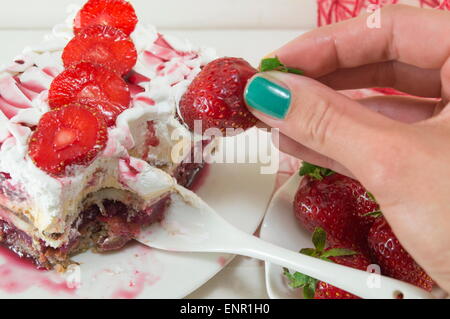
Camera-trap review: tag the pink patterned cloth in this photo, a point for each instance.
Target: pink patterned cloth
(332, 11)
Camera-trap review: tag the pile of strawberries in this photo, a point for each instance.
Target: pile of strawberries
(356, 231)
(88, 96)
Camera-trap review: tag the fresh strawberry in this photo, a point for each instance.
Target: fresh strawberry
(72, 135)
(101, 45)
(87, 84)
(216, 96)
(393, 259)
(316, 289)
(119, 14)
(338, 204)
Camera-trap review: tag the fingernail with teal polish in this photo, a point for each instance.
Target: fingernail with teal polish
(268, 97)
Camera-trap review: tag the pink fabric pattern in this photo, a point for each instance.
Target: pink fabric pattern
(332, 11)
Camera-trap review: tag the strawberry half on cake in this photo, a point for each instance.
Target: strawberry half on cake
(87, 121)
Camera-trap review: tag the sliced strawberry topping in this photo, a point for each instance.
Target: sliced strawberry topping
(72, 135)
(110, 111)
(116, 13)
(102, 45)
(89, 84)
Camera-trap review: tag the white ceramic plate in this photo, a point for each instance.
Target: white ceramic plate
(237, 191)
(280, 227)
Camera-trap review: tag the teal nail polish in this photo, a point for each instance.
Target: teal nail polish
(268, 97)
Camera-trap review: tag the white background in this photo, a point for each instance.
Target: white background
(244, 28)
(196, 14)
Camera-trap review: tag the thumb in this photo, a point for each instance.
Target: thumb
(321, 118)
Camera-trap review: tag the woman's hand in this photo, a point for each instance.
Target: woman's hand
(398, 147)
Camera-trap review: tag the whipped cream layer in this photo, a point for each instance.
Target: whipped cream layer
(164, 69)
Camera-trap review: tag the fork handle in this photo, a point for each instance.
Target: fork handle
(360, 283)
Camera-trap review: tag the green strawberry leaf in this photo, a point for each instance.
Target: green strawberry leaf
(326, 259)
(274, 64)
(376, 214)
(309, 284)
(295, 71)
(297, 280)
(315, 171)
(309, 291)
(319, 239)
(312, 252)
(371, 197)
(270, 64)
(338, 252)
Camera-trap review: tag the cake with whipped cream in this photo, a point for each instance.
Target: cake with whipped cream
(88, 128)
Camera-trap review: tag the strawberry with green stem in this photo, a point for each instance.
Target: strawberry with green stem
(216, 96)
(315, 289)
(336, 203)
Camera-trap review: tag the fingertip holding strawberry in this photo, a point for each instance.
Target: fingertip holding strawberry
(352, 219)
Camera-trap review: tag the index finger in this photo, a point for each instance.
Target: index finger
(407, 34)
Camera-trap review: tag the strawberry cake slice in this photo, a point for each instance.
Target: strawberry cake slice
(88, 129)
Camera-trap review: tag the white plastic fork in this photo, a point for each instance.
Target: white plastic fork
(191, 225)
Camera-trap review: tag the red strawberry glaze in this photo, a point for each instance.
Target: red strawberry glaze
(34, 80)
(222, 261)
(14, 259)
(145, 100)
(128, 169)
(10, 191)
(137, 78)
(135, 90)
(7, 109)
(136, 286)
(163, 43)
(152, 139)
(17, 275)
(11, 93)
(200, 179)
(152, 59)
(30, 94)
(53, 72)
(147, 272)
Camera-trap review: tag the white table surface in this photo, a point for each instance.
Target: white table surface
(243, 277)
